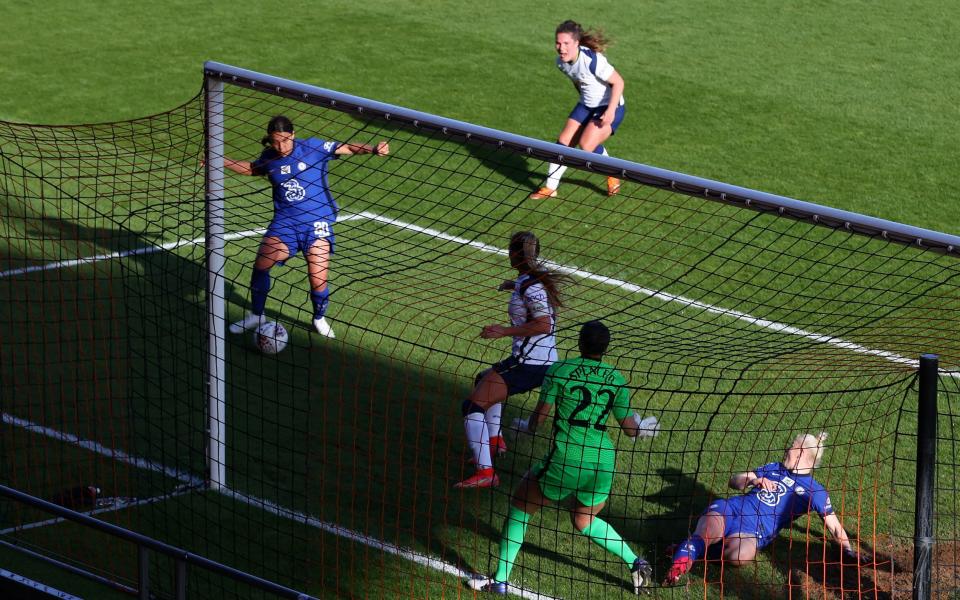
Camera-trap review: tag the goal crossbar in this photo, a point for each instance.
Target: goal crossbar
(556, 153)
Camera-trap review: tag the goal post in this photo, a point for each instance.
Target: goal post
(216, 300)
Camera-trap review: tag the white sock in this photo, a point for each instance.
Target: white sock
(479, 439)
(492, 417)
(554, 173)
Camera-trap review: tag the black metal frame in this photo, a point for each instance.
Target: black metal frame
(145, 545)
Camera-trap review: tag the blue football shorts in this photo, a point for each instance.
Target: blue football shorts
(300, 235)
(581, 114)
(520, 377)
(742, 516)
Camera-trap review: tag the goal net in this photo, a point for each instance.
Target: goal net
(739, 319)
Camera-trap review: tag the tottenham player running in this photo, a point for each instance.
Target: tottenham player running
(601, 107)
(779, 494)
(582, 460)
(532, 309)
(304, 212)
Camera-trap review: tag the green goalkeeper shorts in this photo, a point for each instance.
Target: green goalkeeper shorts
(559, 476)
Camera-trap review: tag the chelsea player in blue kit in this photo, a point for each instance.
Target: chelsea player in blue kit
(780, 493)
(304, 212)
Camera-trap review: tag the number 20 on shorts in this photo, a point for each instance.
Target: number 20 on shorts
(321, 229)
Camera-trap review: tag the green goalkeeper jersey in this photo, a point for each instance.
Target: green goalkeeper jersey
(585, 392)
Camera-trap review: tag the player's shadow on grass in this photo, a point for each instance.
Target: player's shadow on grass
(509, 165)
(680, 501)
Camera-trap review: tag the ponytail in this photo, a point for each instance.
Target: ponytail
(594, 39)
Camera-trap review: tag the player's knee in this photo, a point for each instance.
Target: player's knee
(738, 554)
(581, 521)
(469, 407)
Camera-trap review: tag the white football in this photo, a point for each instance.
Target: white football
(271, 337)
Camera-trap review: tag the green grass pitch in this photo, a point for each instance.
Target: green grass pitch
(839, 103)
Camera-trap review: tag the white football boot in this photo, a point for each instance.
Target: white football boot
(251, 321)
(323, 328)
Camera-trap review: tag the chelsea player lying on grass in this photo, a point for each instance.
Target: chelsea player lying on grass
(304, 212)
(779, 493)
(582, 460)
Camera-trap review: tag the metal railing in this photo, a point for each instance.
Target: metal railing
(182, 558)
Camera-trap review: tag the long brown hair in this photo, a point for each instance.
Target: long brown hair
(524, 252)
(594, 39)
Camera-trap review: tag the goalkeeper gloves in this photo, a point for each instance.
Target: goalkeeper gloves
(648, 426)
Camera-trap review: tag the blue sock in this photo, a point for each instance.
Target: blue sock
(693, 547)
(599, 149)
(259, 288)
(320, 300)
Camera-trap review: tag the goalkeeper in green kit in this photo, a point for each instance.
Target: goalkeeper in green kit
(582, 460)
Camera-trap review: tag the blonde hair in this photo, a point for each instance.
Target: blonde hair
(807, 442)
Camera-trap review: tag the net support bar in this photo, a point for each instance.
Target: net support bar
(216, 301)
(926, 473)
(556, 153)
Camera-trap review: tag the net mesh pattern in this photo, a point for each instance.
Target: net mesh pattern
(737, 329)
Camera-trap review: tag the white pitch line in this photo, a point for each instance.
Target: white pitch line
(265, 505)
(99, 448)
(97, 511)
(663, 296)
(89, 260)
(366, 540)
(571, 270)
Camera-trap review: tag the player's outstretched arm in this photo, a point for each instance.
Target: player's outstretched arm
(742, 481)
(630, 425)
(349, 148)
(537, 326)
(833, 525)
(241, 167)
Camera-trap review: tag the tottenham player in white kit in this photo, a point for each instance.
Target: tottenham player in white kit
(601, 107)
(534, 301)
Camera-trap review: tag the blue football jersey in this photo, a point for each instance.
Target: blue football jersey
(299, 180)
(795, 496)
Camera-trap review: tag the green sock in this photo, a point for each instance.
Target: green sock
(607, 537)
(514, 528)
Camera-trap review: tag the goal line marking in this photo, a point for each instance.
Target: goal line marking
(265, 505)
(118, 505)
(663, 296)
(99, 448)
(568, 269)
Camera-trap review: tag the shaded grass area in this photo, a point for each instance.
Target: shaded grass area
(364, 431)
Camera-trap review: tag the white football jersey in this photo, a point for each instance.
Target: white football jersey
(527, 303)
(590, 72)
